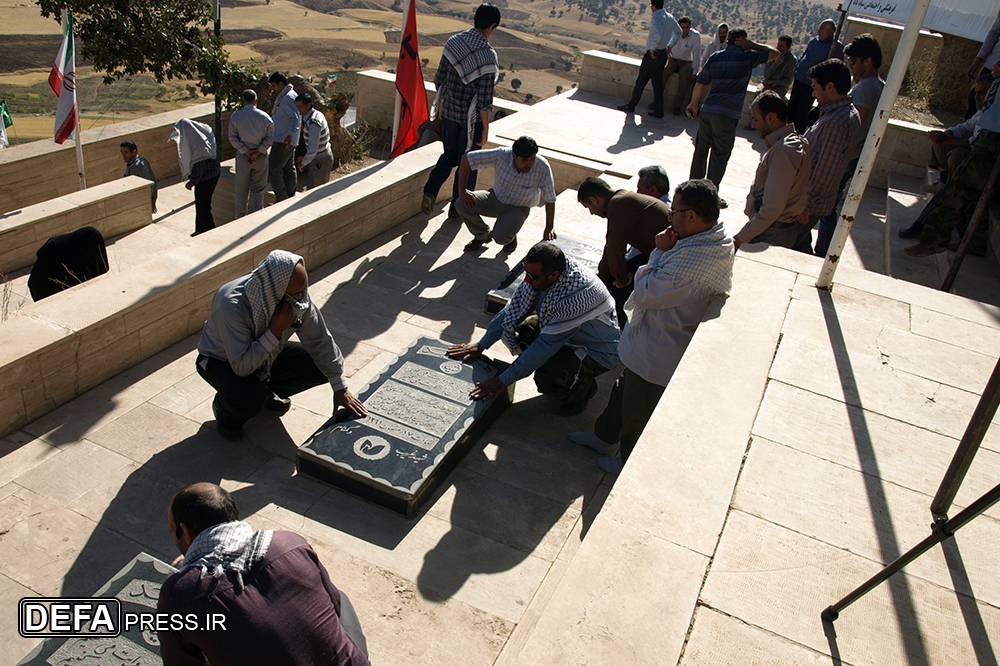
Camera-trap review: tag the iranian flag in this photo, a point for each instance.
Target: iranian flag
(63, 82)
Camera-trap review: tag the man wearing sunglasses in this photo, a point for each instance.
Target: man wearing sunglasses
(245, 352)
(691, 264)
(560, 324)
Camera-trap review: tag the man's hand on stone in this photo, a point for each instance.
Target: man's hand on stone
(937, 137)
(467, 198)
(666, 239)
(467, 353)
(487, 389)
(345, 400)
(282, 319)
(549, 234)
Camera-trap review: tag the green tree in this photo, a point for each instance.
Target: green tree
(167, 39)
(515, 83)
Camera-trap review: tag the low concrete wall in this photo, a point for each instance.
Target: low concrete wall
(376, 99)
(41, 170)
(614, 75)
(925, 54)
(567, 170)
(904, 150)
(113, 208)
(68, 343)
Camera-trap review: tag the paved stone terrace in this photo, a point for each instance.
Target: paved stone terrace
(853, 404)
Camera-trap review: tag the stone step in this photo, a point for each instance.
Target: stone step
(114, 208)
(72, 341)
(38, 171)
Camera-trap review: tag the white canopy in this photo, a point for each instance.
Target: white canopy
(964, 18)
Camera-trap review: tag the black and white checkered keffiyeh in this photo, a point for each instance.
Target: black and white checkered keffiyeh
(576, 297)
(471, 55)
(705, 259)
(267, 285)
(226, 547)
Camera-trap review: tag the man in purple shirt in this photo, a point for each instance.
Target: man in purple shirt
(257, 597)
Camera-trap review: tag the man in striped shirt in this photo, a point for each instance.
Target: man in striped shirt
(521, 177)
(560, 324)
(316, 164)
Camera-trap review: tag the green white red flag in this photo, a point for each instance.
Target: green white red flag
(5, 122)
(62, 78)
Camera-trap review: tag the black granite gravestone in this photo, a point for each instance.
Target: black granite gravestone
(137, 587)
(586, 253)
(420, 424)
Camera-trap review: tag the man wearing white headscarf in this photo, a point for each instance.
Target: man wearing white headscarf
(691, 265)
(245, 352)
(196, 151)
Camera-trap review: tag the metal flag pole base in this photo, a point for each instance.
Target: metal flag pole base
(941, 530)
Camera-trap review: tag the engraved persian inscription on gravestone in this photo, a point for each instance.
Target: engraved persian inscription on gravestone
(420, 423)
(586, 253)
(137, 587)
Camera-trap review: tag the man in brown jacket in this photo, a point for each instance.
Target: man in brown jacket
(633, 219)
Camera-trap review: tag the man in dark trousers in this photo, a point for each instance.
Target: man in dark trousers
(245, 352)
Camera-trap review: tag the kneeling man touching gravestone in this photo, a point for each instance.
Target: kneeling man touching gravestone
(265, 593)
(245, 352)
(560, 323)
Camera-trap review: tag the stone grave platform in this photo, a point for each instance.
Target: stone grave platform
(589, 254)
(137, 589)
(420, 424)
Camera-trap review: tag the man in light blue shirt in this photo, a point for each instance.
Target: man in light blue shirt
(521, 178)
(287, 122)
(664, 32)
(560, 324)
(251, 131)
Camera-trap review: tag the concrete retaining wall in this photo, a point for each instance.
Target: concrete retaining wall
(41, 170)
(376, 98)
(68, 343)
(614, 75)
(113, 208)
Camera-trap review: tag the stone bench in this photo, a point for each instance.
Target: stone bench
(68, 343)
(649, 546)
(114, 208)
(376, 99)
(31, 173)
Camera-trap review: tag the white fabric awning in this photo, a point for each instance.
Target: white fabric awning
(964, 18)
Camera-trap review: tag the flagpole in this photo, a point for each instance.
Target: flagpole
(399, 99)
(79, 125)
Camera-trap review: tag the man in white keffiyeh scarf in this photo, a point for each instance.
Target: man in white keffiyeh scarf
(571, 339)
(691, 265)
(245, 352)
(249, 596)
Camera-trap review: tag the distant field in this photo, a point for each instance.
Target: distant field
(541, 39)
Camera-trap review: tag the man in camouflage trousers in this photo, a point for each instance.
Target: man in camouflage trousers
(956, 202)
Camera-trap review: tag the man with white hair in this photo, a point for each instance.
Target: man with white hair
(245, 352)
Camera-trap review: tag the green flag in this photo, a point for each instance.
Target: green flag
(7, 122)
